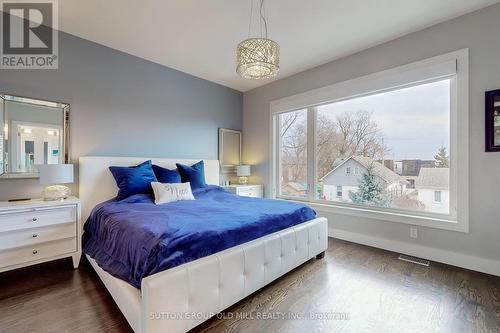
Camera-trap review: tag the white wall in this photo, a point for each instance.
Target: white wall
(330, 192)
(426, 196)
(478, 31)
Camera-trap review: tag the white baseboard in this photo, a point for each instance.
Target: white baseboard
(443, 256)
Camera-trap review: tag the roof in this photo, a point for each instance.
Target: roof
(379, 170)
(433, 178)
(296, 186)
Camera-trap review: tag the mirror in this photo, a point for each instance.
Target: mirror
(34, 132)
(229, 150)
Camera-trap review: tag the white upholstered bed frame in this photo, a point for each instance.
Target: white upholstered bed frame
(180, 298)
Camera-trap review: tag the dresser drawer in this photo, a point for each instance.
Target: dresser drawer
(24, 237)
(37, 251)
(32, 218)
(250, 192)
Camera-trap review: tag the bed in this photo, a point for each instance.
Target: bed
(179, 298)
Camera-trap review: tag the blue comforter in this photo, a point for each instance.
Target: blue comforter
(134, 238)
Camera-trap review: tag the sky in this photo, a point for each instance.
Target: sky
(414, 121)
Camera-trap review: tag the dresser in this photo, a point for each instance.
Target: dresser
(254, 191)
(36, 231)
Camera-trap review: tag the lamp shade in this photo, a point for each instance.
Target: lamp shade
(258, 58)
(243, 170)
(51, 174)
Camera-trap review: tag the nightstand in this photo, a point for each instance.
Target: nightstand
(36, 231)
(254, 191)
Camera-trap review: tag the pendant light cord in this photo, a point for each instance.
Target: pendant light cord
(251, 15)
(262, 19)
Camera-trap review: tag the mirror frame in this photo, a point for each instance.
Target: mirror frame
(4, 174)
(225, 169)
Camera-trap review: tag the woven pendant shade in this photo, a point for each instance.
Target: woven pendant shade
(258, 58)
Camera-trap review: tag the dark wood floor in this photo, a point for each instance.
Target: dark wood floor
(354, 288)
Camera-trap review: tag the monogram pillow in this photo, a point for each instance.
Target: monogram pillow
(169, 192)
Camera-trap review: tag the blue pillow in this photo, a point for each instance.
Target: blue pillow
(195, 174)
(165, 175)
(133, 180)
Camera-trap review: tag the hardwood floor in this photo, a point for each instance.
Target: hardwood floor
(354, 288)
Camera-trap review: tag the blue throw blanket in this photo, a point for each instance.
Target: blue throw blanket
(134, 238)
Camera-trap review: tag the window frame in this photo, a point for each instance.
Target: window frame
(341, 192)
(453, 66)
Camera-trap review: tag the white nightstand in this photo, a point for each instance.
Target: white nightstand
(254, 191)
(36, 231)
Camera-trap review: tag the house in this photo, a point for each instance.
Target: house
(294, 189)
(433, 185)
(347, 175)
(410, 170)
(412, 167)
(398, 167)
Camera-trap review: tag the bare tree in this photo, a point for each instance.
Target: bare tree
(293, 146)
(345, 135)
(327, 144)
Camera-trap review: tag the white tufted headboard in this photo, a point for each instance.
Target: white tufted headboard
(98, 185)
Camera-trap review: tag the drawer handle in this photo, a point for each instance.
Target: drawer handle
(35, 251)
(34, 219)
(35, 235)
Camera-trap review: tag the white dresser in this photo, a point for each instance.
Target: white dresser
(36, 231)
(254, 191)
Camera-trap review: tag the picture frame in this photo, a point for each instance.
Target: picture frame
(492, 121)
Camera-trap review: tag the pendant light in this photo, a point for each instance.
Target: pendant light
(258, 57)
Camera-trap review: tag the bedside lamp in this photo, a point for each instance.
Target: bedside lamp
(52, 175)
(243, 171)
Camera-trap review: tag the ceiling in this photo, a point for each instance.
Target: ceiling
(199, 37)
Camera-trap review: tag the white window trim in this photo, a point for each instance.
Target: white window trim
(438, 67)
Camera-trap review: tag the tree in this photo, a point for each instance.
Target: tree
(293, 146)
(346, 135)
(340, 136)
(370, 191)
(441, 159)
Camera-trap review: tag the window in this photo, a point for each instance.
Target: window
(29, 154)
(437, 196)
(372, 133)
(293, 153)
(396, 130)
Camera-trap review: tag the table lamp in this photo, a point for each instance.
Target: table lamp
(53, 175)
(243, 171)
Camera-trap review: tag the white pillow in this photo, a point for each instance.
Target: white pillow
(170, 192)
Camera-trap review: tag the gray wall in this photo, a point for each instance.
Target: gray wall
(125, 106)
(478, 31)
